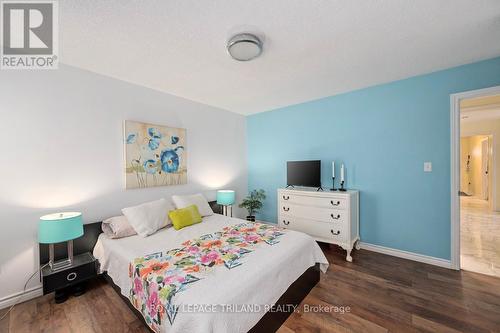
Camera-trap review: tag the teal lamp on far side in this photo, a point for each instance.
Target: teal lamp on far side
(58, 228)
(226, 199)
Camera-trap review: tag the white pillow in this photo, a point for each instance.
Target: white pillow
(117, 227)
(182, 201)
(149, 217)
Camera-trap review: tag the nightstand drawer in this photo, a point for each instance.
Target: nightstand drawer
(68, 277)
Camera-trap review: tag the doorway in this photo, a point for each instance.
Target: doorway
(475, 117)
(485, 174)
(475, 175)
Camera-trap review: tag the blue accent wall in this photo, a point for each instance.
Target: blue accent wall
(383, 135)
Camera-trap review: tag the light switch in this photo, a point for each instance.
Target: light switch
(427, 166)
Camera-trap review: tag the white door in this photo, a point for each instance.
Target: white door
(484, 169)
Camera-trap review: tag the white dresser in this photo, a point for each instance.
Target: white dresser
(330, 217)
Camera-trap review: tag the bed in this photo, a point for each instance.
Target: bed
(234, 296)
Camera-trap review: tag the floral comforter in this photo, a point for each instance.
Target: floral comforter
(157, 278)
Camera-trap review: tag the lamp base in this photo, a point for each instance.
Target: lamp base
(60, 264)
(226, 209)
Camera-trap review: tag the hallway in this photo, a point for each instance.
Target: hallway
(479, 237)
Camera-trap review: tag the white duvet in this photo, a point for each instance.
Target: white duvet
(227, 300)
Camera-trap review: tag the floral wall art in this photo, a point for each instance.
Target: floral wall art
(155, 155)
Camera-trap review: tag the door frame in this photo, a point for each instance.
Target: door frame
(455, 165)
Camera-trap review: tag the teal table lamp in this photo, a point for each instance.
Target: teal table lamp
(226, 199)
(58, 228)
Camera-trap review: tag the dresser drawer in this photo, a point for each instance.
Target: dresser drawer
(313, 213)
(68, 277)
(325, 202)
(327, 231)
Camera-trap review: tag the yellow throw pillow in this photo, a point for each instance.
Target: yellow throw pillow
(185, 217)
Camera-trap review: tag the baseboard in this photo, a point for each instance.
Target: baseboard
(21, 297)
(407, 255)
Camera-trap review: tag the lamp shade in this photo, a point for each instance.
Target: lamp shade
(225, 197)
(60, 227)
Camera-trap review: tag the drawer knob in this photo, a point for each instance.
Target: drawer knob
(335, 233)
(335, 204)
(286, 209)
(286, 222)
(335, 217)
(71, 276)
(286, 197)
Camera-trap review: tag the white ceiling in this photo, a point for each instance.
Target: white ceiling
(313, 48)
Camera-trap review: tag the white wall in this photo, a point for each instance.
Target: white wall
(61, 149)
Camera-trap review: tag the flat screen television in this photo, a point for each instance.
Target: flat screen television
(303, 173)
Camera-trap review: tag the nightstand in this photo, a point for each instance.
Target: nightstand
(70, 279)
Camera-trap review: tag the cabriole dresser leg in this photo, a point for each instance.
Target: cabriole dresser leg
(348, 257)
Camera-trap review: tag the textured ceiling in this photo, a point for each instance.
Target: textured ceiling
(313, 48)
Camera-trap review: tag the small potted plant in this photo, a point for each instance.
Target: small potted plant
(253, 203)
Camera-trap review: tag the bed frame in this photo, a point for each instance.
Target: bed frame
(270, 322)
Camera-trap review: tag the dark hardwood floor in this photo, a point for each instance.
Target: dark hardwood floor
(383, 293)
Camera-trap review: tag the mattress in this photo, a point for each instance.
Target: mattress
(227, 300)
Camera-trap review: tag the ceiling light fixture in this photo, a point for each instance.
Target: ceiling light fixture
(244, 47)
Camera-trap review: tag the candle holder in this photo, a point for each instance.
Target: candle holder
(333, 185)
(342, 189)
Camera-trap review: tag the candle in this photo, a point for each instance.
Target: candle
(342, 173)
(333, 169)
